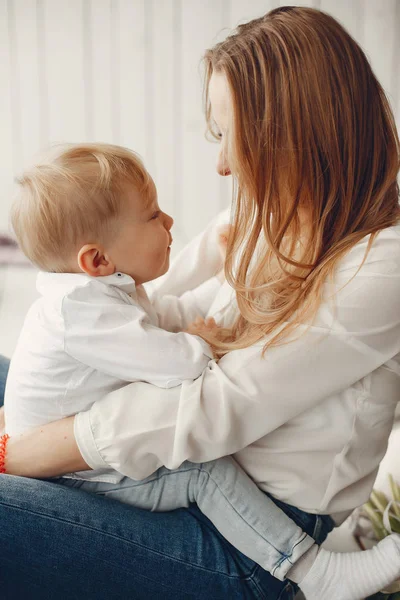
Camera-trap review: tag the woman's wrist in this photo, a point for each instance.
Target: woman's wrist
(47, 451)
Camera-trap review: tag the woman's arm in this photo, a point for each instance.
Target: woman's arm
(176, 313)
(45, 451)
(245, 396)
(198, 261)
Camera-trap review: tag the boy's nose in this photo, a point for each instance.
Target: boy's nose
(168, 222)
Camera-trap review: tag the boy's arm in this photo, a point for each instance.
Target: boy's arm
(118, 339)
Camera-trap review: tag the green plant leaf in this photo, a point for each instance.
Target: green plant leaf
(376, 521)
(379, 499)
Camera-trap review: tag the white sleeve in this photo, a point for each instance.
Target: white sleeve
(245, 396)
(118, 338)
(176, 313)
(196, 262)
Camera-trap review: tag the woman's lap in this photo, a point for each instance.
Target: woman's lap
(61, 543)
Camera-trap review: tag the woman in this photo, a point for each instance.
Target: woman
(305, 391)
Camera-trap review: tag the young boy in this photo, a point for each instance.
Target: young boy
(89, 219)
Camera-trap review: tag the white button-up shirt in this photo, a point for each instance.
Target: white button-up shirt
(309, 421)
(86, 336)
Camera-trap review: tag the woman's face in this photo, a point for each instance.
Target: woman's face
(220, 103)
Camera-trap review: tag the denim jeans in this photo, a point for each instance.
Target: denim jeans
(4, 364)
(247, 517)
(64, 543)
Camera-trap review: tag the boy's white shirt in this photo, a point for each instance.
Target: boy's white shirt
(309, 422)
(88, 336)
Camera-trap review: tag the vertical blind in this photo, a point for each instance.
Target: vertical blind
(128, 72)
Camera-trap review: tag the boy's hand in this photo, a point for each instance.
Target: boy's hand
(200, 326)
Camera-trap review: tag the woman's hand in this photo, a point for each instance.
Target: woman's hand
(206, 329)
(46, 451)
(223, 233)
(201, 326)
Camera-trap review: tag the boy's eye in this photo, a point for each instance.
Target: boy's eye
(156, 215)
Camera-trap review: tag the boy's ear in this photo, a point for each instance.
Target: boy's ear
(93, 261)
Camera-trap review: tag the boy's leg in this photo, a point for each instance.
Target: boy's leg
(244, 515)
(259, 528)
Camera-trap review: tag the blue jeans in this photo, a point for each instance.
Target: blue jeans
(63, 543)
(225, 494)
(4, 364)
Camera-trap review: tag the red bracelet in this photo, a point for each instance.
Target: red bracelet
(3, 444)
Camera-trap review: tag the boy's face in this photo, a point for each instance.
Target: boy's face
(143, 245)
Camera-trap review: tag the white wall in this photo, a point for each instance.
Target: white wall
(127, 71)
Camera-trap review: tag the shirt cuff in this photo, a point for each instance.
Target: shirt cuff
(86, 442)
(205, 293)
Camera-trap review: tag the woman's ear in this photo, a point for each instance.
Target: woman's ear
(93, 261)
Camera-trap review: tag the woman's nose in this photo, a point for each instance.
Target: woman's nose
(222, 164)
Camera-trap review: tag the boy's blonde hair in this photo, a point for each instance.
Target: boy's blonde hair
(75, 197)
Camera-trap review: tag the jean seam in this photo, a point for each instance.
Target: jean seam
(288, 557)
(130, 542)
(317, 527)
(260, 591)
(254, 582)
(284, 589)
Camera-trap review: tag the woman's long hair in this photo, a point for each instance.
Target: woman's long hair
(314, 153)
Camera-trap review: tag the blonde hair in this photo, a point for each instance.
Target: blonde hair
(312, 132)
(76, 196)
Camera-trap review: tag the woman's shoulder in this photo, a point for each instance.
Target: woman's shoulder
(383, 254)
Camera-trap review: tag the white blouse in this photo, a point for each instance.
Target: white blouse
(309, 421)
(87, 336)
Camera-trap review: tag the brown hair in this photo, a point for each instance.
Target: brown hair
(76, 196)
(311, 133)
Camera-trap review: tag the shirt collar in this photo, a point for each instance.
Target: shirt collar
(63, 283)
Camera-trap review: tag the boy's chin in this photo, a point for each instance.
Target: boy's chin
(165, 265)
(165, 268)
